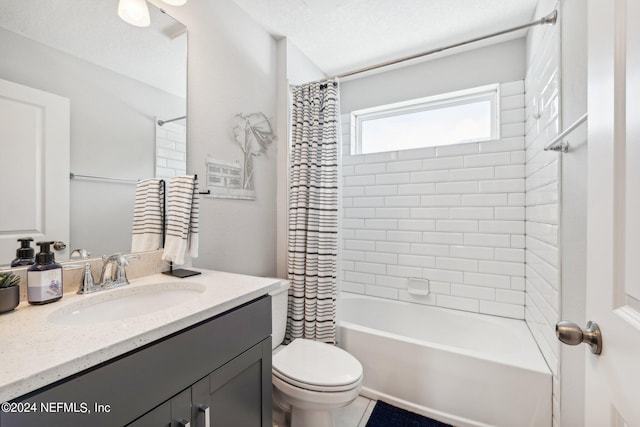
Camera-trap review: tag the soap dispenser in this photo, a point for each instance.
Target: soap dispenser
(24, 254)
(44, 278)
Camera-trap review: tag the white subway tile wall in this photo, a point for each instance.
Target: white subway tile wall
(542, 201)
(454, 215)
(171, 150)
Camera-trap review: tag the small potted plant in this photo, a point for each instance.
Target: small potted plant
(9, 291)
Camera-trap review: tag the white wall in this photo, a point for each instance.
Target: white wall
(500, 63)
(301, 69)
(112, 135)
(232, 68)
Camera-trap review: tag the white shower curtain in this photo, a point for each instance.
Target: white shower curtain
(313, 212)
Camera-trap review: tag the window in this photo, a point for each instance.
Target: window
(450, 118)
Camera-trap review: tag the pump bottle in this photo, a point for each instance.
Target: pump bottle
(44, 278)
(24, 254)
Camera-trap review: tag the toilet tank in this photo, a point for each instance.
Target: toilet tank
(279, 300)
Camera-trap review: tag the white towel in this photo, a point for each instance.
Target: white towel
(148, 215)
(182, 220)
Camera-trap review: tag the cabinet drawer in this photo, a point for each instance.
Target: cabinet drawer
(142, 379)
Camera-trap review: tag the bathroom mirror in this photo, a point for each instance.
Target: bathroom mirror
(119, 80)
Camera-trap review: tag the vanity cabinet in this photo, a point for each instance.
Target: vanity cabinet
(160, 416)
(219, 368)
(233, 392)
(174, 413)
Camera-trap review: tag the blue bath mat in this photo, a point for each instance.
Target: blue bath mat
(385, 415)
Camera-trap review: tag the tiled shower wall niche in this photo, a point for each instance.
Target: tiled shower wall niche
(453, 215)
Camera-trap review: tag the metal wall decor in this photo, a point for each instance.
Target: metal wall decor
(253, 133)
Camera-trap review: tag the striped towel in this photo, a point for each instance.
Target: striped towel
(148, 215)
(182, 219)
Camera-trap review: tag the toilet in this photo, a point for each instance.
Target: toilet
(310, 378)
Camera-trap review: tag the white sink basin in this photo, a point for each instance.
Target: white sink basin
(128, 301)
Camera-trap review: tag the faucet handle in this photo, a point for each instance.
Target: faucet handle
(121, 275)
(88, 283)
(122, 261)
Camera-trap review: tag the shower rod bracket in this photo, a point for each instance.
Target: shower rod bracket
(563, 147)
(163, 122)
(558, 144)
(551, 18)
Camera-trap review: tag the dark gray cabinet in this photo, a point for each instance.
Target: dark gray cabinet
(174, 413)
(233, 392)
(219, 368)
(158, 417)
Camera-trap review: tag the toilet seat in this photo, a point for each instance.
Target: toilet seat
(314, 387)
(317, 366)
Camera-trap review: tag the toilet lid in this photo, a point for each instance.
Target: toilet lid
(313, 363)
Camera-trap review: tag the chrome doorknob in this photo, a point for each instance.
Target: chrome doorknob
(572, 334)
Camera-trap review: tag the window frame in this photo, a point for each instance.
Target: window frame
(489, 93)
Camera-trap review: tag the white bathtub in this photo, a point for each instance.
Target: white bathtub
(461, 368)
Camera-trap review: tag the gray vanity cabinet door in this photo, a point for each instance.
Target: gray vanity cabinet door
(201, 403)
(159, 417)
(173, 413)
(181, 409)
(238, 394)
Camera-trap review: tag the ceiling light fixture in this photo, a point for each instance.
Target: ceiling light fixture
(175, 2)
(136, 12)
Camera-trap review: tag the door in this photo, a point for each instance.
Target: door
(34, 167)
(158, 417)
(238, 394)
(613, 233)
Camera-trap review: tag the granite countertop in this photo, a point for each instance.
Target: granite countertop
(36, 351)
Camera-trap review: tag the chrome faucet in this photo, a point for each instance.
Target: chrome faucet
(117, 275)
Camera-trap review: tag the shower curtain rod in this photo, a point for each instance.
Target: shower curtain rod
(558, 143)
(162, 122)
(548, 19)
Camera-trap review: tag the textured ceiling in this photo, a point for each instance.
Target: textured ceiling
(92, 30)
(342, 35)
